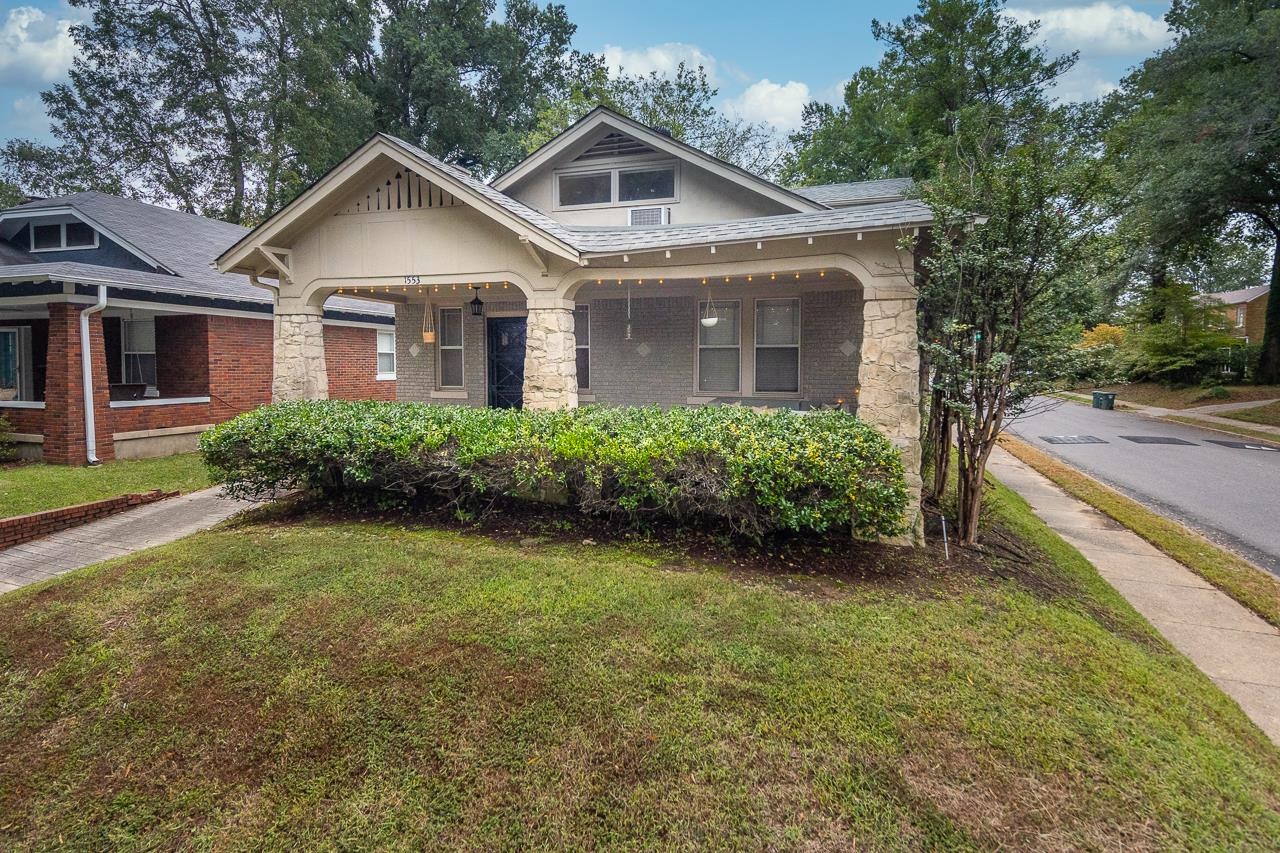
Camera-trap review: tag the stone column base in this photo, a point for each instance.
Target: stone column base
(299, 371)
(550, 360)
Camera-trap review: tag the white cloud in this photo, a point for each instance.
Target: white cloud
(1083, 82)
(35, 48)
(27, 117)
(1098, 29)
(775, 104)
(662, 58)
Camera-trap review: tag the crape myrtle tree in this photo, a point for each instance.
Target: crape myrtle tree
(1200, 140)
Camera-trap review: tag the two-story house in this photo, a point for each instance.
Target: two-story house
(1246, 311)
(115, 326)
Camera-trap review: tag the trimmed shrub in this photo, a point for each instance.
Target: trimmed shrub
(751, 472)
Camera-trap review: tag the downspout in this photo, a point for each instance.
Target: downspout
(86, 376)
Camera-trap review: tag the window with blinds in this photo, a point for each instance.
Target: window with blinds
(720, 348)
(777, 345)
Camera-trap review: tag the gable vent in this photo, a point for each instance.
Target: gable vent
(615, 145)
(645, 216)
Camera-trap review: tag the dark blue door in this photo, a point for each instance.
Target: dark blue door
(506, 362)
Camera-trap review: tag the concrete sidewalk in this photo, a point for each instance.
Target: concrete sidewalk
(1237, 649)
(115, 536)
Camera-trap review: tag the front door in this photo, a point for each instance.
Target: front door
(506, 362)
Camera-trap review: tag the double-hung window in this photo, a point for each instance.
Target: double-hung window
(777, 346)
(11, 367)
(582, 337)
(720, 347)
(386, 355)
(139, 347)
(449, 347)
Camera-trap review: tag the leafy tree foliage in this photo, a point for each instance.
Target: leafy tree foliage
(680, 103)
(1200, 138)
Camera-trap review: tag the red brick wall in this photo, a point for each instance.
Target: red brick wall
(182, 346)
(24, 420)
(24, 528)
(132, 418)
(240, 353)
(351, 357)
(63, 394)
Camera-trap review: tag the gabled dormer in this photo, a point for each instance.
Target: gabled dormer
(608, 170)
(53, 230)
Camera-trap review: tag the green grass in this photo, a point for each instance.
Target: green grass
(1265, 437)
(1155, 394)
(1251, 586)
(35, 487)
(339, 684)
(1268, 415)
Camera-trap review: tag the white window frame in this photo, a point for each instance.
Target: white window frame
(440, 347)
(380, 375)
(697, 361)
(756, 346)
(577, 341)
(22, 347)
(62, 235)
(614, 170)
(1240, 309)
(125, 352)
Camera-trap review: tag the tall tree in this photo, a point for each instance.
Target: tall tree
(682, 103)
(1201, 140)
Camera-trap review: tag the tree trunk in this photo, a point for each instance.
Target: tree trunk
(1268, 372)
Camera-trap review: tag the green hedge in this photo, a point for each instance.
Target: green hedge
(752, 472)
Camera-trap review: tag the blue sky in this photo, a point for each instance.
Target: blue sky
(767, 58)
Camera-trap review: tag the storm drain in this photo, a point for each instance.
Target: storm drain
(1071, 439)
(1157, 439)
(1243, 445)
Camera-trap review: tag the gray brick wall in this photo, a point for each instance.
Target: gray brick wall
(656, 365)
(830, 343)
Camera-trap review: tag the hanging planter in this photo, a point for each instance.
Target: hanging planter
(710, 317)
(429, 325)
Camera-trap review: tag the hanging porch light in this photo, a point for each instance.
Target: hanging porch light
(477, 305)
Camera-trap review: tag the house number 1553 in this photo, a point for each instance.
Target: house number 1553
(411, 280)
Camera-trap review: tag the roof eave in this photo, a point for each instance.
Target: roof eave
(817, 232)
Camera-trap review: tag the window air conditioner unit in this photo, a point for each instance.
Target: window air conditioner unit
(646, 216)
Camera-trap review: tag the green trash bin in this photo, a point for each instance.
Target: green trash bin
(1104, 400)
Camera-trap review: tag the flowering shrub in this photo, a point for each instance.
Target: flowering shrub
(749, 471)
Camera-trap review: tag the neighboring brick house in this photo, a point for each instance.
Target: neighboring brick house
(175, 347)
(614, 265)
(1246, 311)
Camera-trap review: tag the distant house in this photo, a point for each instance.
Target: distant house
(174, 346)
(1246, 311)
(614, 265)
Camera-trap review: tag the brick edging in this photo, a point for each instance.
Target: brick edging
(24, 528)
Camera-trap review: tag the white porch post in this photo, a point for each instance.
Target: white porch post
(550, 360)
(889, 385)
(298, 370)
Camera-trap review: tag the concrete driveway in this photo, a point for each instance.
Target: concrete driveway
(1231, 494)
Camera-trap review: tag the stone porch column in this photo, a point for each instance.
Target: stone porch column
(551, 356)
(889, 387)
(299, 371)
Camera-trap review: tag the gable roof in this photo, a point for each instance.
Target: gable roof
(182, 246)
(603, 116)
(858, 192)
(460, 183)
(1236, 297)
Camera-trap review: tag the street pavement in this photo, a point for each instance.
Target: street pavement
(1229, 494)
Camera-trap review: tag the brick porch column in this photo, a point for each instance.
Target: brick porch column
(299, 371)
(64, 441)
(889, 387)
(551, 356)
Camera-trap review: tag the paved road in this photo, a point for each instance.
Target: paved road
(1231, 495)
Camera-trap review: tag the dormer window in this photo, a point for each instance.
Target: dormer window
(618, 186)
(56, 236)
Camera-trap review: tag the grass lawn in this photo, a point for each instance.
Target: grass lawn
(1218, 426)
(1268, 414)
(1154, 394)
(35, 487)
(328, 682)
(1253, 587)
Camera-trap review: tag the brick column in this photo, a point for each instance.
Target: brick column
(299, 371)
(550, 358)
(64, 390)
(889, 388)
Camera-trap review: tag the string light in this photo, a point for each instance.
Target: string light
(704, 281)
(661, 280)
(339, 289)
(599, 281)
(773, 276)
(726, 279)
(797, 276)
(748, 278)
(822, 274)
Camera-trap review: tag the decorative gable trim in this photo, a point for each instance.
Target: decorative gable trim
(404, 189)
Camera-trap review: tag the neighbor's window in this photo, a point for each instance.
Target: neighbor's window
(647, 184)
(449, 347)
(582, 336)
(777, 345)
(139, 345)
(594, 188)
(62, 235)
(386, 355)
(10, 368)
(1239, 316)
(719, 347)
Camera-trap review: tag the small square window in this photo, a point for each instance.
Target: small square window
(596, 188)
(46, 236)
(79, 235)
